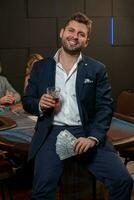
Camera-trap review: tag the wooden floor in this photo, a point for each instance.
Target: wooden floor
(24, 194)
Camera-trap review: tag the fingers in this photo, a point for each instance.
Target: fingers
(79, 146)
(47, 101)
(8, 99)
(83, 144)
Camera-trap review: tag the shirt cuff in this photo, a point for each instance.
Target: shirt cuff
(93, 138)
(40, 111)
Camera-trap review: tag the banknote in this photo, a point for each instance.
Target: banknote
(64, 145)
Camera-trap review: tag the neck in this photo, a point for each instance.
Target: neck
(67, 60)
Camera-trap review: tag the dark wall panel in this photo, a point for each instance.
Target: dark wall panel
(13, 66)
(123, 69)
(44, 51)
(66, 8)
(42, 32)
(100, 34)
(104, 55)
(98, 7)
(13, 32)
(51, 8)
(12, 8)
(41, 8)
(124, 31)
(123, 8)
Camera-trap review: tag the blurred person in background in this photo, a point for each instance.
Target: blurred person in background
(8, 95)
(30, 61)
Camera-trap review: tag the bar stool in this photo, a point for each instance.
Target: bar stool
(6, 174)
(76, 183)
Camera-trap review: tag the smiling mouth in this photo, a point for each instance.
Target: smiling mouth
(73, 43)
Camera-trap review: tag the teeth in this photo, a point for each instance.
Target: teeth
(72, 42)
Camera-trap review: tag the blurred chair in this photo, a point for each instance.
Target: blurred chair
(125, 105)
(6, 174)
(76, 183)
(125, 111)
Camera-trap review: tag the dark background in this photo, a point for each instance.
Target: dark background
(32, 26)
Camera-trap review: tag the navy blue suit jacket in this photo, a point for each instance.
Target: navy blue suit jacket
(93, 94)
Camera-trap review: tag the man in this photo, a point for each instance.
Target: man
(84, 109)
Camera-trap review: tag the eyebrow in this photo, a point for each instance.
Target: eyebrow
(74, 29)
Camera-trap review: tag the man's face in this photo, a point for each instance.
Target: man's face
(74, 37)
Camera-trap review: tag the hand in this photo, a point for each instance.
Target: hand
(47, 101)
(82, 144)
(7, 99)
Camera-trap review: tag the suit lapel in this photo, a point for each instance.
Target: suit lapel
(51, 81)
(50, 70)
(81, 73)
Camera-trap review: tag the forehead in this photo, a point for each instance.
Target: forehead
(78, 26)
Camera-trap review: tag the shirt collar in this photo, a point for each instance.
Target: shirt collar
(56, 57)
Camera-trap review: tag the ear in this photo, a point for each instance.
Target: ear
(61, 32)
(87, 42)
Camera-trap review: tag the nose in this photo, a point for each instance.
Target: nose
(75, 35)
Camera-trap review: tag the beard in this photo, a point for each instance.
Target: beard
(71, 49)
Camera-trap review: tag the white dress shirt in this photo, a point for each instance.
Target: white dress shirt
(69, 113)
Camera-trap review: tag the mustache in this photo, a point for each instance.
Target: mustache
(72, 39)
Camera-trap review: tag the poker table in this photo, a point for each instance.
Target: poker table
(121, 133)
(16, 131)
(18, 135)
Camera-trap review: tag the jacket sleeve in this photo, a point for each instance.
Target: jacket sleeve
(103, 109)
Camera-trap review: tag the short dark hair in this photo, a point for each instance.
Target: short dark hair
(81, 18)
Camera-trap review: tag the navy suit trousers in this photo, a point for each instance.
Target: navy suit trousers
(102, 161)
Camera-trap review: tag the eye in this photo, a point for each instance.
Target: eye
(70, 30)
(81, 34)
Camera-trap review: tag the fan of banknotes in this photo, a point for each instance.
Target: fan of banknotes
(64, 145)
